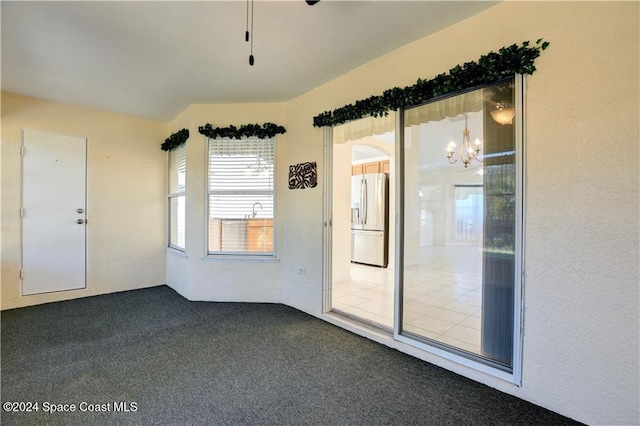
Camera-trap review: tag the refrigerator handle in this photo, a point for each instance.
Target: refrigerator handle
(365, 207)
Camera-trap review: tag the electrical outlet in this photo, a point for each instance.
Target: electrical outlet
(302, 271)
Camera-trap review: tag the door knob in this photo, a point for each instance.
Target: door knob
(80, 221)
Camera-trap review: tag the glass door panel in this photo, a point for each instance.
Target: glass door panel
(363, 200)
(460, 210)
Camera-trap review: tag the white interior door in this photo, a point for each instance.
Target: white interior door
(53, 212)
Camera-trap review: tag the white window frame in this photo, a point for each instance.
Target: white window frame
(240, 255)
(181, 192)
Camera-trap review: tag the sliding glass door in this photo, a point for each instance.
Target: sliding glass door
(452, 284)
(461, 222)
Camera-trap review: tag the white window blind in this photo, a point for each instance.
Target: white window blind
(177, 196)
(241, 194)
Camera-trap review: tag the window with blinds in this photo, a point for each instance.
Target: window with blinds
(241, 196)
(177, 197)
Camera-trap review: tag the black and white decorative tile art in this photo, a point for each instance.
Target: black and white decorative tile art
(303, 175)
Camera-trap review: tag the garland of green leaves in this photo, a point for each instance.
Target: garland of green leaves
(266, 131)
(489, 69)
(175, 140)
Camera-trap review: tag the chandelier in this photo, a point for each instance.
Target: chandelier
(468, 151)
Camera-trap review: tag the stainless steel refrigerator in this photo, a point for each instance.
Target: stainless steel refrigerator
(370, 219)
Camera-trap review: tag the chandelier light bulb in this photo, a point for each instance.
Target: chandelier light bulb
(451, 147)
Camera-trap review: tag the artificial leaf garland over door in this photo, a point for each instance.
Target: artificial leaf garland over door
(489, 69)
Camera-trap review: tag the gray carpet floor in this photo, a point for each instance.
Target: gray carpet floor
(174, 362)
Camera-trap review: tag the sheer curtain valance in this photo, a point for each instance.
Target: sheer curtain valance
(434, 111)
(363, 128)
(448, 107)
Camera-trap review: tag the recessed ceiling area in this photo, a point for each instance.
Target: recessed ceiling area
(151, 59)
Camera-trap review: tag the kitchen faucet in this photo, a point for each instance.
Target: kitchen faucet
(254, 208)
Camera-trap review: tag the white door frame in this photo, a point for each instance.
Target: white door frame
(327, 213)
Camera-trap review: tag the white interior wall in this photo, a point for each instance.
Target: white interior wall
(581, 342)
(126, 196)
(341, 200)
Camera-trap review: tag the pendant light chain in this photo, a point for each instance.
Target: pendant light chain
(249, 36)
(246, 31)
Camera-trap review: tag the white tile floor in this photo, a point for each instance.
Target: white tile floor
(442, 298)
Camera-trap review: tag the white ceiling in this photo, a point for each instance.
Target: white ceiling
(153, 58)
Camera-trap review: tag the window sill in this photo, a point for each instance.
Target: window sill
(239, 258)
(177, 252)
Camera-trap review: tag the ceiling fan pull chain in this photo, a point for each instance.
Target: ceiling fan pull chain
(251, 60)
(246, 32)
(249, 35)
